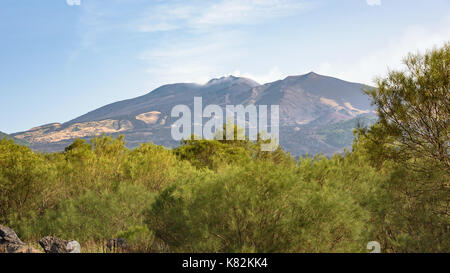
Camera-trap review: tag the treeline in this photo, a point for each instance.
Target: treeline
(229, 196)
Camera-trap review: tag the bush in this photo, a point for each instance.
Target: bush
(260, 207)
(25, 181)
(92, 216)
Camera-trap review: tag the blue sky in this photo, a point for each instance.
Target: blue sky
(59, 61)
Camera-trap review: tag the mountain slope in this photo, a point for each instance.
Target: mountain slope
(18, 141)
(333, 137)
(307, 102)
(306, 98)
(227, 90)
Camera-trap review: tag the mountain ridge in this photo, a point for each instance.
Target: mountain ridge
(309, 99)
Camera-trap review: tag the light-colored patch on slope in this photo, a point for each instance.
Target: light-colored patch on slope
(149, 117)
(358, 111)
(331, 103)
(163, 121)
(77, 130)
(304, 121)
(347, 107)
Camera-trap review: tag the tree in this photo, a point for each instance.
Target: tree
(409, 145)
(24, 179)
(414, 107)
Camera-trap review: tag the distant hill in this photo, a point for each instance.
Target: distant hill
(18, 141)
(312, 139)
(309, 106)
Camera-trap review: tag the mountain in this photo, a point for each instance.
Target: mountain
(327, 138)
(313, 97)
(308, 104)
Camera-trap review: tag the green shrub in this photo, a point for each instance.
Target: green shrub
(259, 207)
(25, 181)
(93, 216)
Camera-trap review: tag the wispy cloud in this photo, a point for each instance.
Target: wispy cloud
(196, 58)
(207, 14)
(272, 75)
(373, 2)
(377, 62)
(194, 41)
(204, 38)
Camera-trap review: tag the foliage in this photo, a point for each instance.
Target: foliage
(410, 146)
(230, 196)
(16, 140)
(413, 107)
(24, 180)
(214, 154)
(260, 207)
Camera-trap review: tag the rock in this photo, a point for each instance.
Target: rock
(54, 245)
(117, 245)
(73, 247)
(10, 242)
(8, 236)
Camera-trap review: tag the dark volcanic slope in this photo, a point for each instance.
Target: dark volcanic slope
(332, 88)
(159, 99)
(307, 103)
(229, 90)
(313, 97)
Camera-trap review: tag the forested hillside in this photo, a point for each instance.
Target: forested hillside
(18, 141)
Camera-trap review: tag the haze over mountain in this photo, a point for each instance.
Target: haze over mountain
(312, 107)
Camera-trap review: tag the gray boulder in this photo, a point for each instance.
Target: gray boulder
(8, 236)
(73, 247)
(54, 245)
(11, 243)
